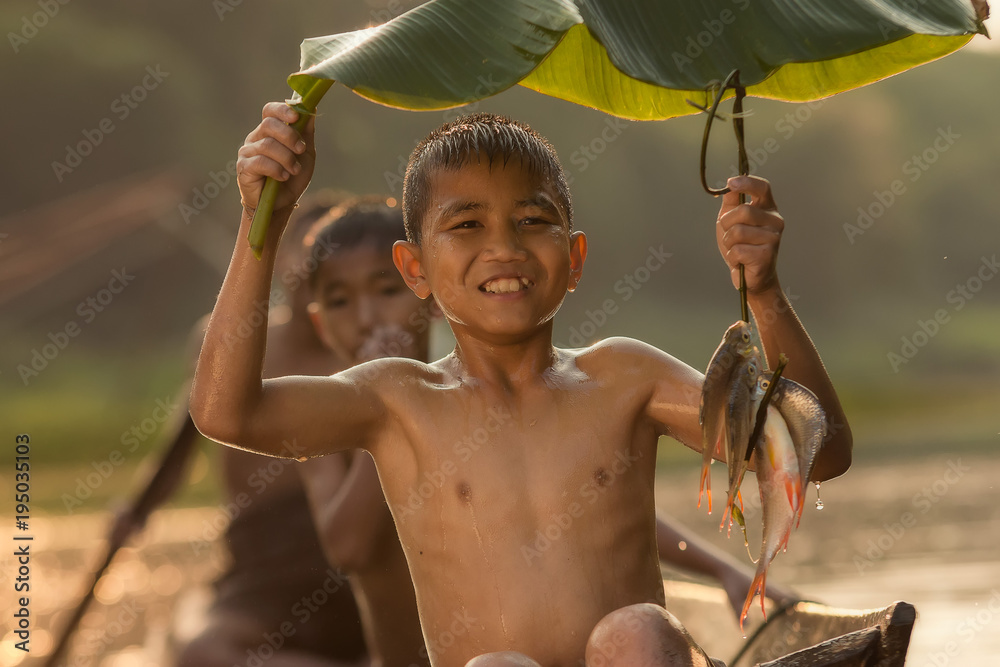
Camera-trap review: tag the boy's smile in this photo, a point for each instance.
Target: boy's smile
(497, 253)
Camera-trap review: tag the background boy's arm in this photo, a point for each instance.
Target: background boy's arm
(351, 514)
(291, 416)
(750, 234)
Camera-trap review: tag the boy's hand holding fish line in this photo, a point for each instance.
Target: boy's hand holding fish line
(520, 476)
(751, 234)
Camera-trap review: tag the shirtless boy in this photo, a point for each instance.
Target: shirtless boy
(507, 430)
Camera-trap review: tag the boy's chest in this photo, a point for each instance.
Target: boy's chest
(552, 453)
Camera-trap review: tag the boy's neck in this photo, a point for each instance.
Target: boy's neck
(506, 365)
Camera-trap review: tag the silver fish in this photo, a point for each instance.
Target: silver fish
(736, 346)
(741, 415)
(806, 423)
(777, 473)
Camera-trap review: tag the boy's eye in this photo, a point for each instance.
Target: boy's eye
(335, 302)
(534, 221)
(391, 289)
(466, 224)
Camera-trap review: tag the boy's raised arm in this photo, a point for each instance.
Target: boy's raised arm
(750, 234)
(292, 416)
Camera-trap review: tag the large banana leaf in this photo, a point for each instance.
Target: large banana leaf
(639, 59)
(636, 59)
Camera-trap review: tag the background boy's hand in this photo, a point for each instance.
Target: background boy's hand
(275, 149)
(749, 234)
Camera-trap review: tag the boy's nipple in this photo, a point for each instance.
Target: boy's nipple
(464, 492)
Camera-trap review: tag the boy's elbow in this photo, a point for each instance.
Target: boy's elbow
(835, 458)
(213, 422)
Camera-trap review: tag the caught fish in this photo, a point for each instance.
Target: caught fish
(777, 474)
(745, 395)
(806, 422)
(723, 368)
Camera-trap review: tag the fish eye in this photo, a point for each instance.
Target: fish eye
(764, 384)
(746, 336)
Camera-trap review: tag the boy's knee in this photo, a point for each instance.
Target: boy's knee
(643, 634)
(502, 659)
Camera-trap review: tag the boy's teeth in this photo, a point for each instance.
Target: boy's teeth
(506, 285)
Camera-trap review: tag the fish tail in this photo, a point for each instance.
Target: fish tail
(739, 498)
(725, 518)
(705, 486)
(757, 586)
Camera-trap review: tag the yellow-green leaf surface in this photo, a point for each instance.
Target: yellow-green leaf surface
(637, 59)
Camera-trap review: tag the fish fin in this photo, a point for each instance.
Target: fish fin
(727, 520)
(705, 486)
(739, 496)
(757, 585)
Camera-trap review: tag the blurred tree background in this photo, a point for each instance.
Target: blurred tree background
(120, 118)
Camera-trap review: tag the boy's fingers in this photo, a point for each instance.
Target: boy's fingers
(751, 234)
(759, 190)
(257, 167)
(271, 150)
(276, 129)
(281, 111)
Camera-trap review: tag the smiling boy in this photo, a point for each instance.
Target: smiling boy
(490, 225)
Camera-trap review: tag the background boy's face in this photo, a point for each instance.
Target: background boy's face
(496, 250)
(363, 310)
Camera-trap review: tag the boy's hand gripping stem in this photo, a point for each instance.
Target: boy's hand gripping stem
(265, 206)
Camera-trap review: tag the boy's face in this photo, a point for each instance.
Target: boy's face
(496, 251)
(363, 310)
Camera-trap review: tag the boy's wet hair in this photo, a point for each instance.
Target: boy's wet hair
(470, 138)
(357, 221)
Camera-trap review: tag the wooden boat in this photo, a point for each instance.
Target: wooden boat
(805, 634)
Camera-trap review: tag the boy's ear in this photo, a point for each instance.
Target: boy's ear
(577, 256)
(407, 258)
(313, 310)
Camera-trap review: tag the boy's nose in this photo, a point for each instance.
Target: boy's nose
(505, 245)
(367, 314)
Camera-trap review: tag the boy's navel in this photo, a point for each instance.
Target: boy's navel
(602, 477)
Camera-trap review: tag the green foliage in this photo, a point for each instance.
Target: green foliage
(639, 60)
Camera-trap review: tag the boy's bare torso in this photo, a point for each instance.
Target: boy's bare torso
(526, 516)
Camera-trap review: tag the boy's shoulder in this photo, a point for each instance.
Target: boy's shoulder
(389, 373)
(623, 350)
